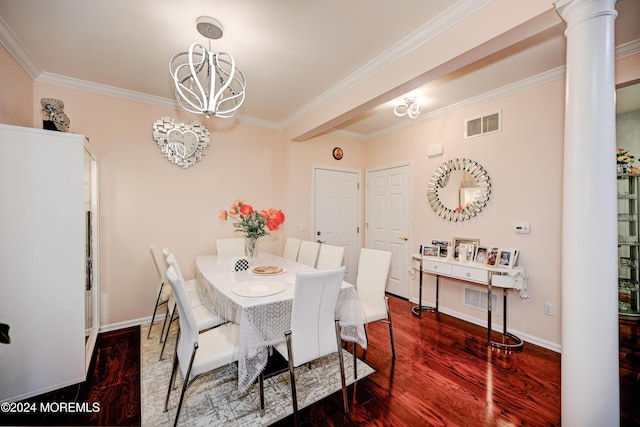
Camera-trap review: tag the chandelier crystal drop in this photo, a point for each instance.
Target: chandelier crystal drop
(207, 82)
(409, 107)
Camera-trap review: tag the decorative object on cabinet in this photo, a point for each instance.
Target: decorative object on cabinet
(208, 82)
(506, 258)
(458, 189)
(628, 246)
(182, 144)
(55, 119)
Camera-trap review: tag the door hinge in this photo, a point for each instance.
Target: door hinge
(357, 230)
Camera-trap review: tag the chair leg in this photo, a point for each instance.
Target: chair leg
(155, 309)
(261, 381)
(366, 336)
(186, 382)
(344, 383)
(292, 374)
(166, 336)
(355, 361)
(164, 322)
(173, 377)
(393, 347)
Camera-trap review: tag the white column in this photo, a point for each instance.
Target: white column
(590, 377)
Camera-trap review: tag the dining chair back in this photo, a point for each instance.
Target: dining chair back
(371, 281)
(315, 331)
(291, 249)
(230, 246)
(330, 257)
(164, 289)
(197, 353)
(205, 319)
(308, 253)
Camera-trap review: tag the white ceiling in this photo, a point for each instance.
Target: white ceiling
(291, 52)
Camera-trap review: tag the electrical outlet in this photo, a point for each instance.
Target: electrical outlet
(548, 309)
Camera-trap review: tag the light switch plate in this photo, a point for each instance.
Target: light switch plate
(522, 228)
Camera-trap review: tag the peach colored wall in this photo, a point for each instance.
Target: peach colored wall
(145, 199)
(303, 157)
(16, 87)
(524, 162)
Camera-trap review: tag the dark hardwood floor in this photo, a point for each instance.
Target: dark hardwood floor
(443, 375)
(113, 382)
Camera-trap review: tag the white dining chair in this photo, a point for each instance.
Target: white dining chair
(204, 318)
(197, 353)
(330, 256)
(315, 331)
(308, 253)
(371, 281)
(291, 249)
(230, 246)
(164, 289)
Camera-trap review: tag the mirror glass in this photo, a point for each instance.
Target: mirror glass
(458, 189)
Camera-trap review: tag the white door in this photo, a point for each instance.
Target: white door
(388, 221)
(337, 213)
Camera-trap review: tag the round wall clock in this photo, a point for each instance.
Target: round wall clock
(337, 153)
(182, 144)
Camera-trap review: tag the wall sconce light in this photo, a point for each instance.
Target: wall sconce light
(409, 107)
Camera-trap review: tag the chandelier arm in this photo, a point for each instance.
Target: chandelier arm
(194, 73)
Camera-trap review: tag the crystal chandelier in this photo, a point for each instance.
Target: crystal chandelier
(409, 107)
(207, 82)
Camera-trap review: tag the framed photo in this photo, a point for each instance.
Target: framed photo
(442, 244)
(506, 258)
(431, 250)
(481, 255)
(457, 241)
(492, 256)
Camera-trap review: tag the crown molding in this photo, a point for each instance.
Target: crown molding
(447, 19)
(19, 53)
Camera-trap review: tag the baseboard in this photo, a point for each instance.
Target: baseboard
(130, 323)
(497, 326)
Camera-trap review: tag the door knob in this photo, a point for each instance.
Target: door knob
(321, 241)
(405, 238)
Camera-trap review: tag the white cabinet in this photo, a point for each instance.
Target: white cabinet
(628, 246)
(48, 183)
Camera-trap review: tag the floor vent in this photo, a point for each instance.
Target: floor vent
(482, 125)
(478, 299)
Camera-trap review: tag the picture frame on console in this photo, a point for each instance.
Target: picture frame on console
(492, 256)
(431, 251)
(443, 245)
(457, 241)
(506, 258)
(481, 255)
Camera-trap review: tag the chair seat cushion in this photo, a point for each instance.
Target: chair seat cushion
(216, 347)
(205, 319)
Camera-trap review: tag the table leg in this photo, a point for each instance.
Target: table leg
(418, 309)
(518, 343)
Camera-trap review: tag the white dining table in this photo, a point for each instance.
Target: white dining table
(261, 306)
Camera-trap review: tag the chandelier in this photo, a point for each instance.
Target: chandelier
(207, 82)
(409, 107)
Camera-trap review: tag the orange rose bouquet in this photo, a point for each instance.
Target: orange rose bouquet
(252, 223)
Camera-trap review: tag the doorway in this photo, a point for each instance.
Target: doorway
(337, 215)
(388, 221)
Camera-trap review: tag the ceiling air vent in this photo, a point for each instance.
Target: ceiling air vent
(481, 125)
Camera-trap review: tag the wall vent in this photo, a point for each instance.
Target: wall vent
(482, 125)
(478, 299)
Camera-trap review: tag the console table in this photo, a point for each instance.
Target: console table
(474, 273)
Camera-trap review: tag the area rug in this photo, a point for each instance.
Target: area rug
(214, 399)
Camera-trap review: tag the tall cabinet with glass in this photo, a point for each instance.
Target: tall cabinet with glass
(628, 244)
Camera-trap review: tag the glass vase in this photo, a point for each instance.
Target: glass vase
(251, 244)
